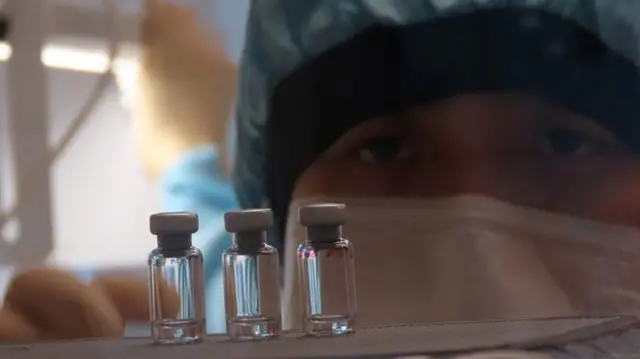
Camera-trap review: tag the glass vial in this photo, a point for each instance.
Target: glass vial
(326, 271)
(176, 266)
(251, 277)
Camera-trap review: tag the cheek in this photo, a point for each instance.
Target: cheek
(618, 201)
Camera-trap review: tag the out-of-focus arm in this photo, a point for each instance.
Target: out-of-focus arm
(195, 184)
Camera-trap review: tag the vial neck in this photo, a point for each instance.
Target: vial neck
(249, 241)
(324, 233)
(174, 242)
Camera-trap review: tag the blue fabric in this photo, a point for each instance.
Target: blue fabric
(195, 184)
(282, 34)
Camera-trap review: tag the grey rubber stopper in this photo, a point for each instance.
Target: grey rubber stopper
(322, 214)
(173, 223)
(248, 220)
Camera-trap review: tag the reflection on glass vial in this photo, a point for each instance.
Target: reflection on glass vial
(176, 293)
(326, 269)
(251, 277)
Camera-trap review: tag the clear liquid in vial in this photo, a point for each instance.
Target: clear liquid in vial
(252, 293)
(327, 279)
(173, 331)
(181, 271)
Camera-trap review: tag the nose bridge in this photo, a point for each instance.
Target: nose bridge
(470, 175)
(465, 151)
(437, 179)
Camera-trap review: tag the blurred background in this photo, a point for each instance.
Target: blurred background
(88, 209)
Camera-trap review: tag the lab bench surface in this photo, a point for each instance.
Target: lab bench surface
(443, 340)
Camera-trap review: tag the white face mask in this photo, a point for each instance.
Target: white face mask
(476, 258)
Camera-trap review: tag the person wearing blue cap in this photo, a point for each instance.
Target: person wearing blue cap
(487, 152)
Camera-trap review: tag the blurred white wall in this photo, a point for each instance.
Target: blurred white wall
(101, 198)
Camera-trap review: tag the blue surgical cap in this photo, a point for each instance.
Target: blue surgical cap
(283, 34)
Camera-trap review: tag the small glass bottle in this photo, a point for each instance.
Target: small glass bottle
(326, 269)
(176, 265)
(251, 277)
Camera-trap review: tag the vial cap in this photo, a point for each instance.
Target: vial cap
(248, 220)
(169, 223)
(322, 214)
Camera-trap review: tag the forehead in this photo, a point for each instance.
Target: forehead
(285, 34)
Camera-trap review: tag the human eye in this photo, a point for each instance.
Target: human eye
(569, 143)
(576, 142)
(383, 150)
